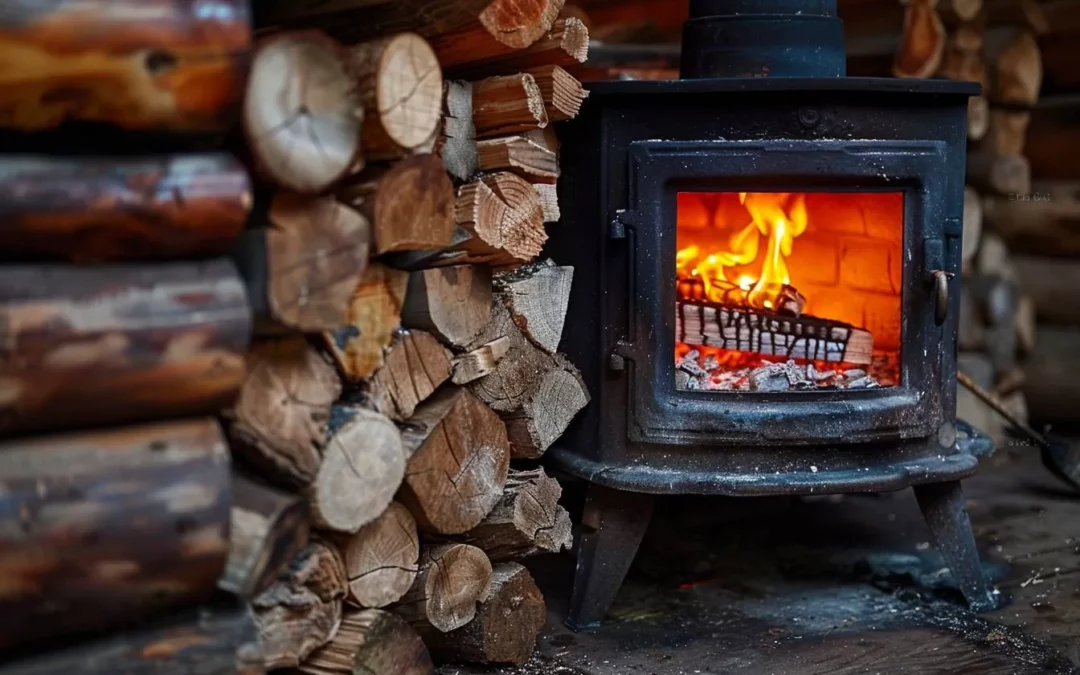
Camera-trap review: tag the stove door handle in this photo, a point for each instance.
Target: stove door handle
(941, 296)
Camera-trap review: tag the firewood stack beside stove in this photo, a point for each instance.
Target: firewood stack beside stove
(311, 367)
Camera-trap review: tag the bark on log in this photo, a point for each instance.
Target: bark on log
(303, 609)
(507, 104)
(267, 529)
(101, 345)
(362, 467)
(549, 201)
(460, 457)
(146, 65)
(371, 641)
(400, 86)
(505, 627)
(527, 520)
(1005, 175)
(410, 204)
(923, 43)
(302, 115)
(374, 313)
(480, 362)
(416, 365)
(381, 559)
(1053, 372)
(503, 214)
(280, 417)
(1051, 283)
(563, 93)
(101, 529)
(457, 144)
(469, 54)
(218, 639)
(451, 580)
(537, 296)
(1046, 222)
(973, 224)
(521, 156)
(103, 209)
(452, 303)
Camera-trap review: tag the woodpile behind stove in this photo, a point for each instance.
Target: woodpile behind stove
(301, 366)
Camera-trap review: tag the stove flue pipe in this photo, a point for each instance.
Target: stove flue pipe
(763, 38)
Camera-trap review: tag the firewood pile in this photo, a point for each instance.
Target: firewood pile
(279, 348)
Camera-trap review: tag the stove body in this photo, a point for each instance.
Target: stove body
(758, 111)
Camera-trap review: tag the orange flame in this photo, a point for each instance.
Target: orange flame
(780, 217)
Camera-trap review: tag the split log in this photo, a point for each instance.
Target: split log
(480, 362)
(468, 54)
(507, 104)
(978, 117)
(1051, 284)
(549, 201)
(362, 467)
(457, 144)
(973, 222)
(506, 625)
(415, 367)
(537, 296)
(303, 609)
(503, 214)
(218, 639)
(400, 86)
(1026, 330)
(521, 156)
(1007, 132)
(963, 59)
(451, 580)
(460, 457)
(267, 529)
(410, 204)
(1005, 175)
(381, 559)
(103, 209)
(101, 529)
(1053, 372)
(452, 303)
(158, 66)
(302, 268)
(373, 314)
(1018, 72)
(371, 641)
(504, 27)
(527, 520)
(278, 423)
(302, 113)
(923, 43)
(563, 93)
(1046, 222)
(101, 345)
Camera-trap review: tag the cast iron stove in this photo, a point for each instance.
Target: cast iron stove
(766, 292)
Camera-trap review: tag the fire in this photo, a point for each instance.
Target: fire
(776, 217)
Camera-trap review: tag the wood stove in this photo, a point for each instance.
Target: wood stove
(766, 294)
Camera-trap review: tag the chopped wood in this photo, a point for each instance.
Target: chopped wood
(506, 625)
(278, 423)
(381, 559)
(507, 104)
(558, 395)
(410, 204)
(978, 117)
(1007, 132)
(480, 362)
(537, 296)
(973, 222)
(468, 54)
(751, 330)
(362, 467)
(377, 18)
(216, 639)
(451, 580)
(521, 156)
(502, 212)
(267, 528)
(1044, 222)
(371, 641)
(175, 68)
(519, 23)
(517, 374)
(923, 43)
(1024, 322)
(1018, 71)
(99, 209)
(963, 10)
(452, 303)
(459, 461)
(373, 314)
(1005, 175)
(563, 93)
(400, 86)
(302, 116)
(549, 201)
(99, 529)
(994, 258)
(457, 144)
(89, 346)
(1052, 375)
(527, 520)
(972, 330)
(1050, 284)
(302, 610)
(416, 365)
(270, 12)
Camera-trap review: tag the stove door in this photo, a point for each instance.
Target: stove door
(721, 235)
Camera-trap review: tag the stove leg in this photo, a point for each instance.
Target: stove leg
(942, 506)
(612, 527)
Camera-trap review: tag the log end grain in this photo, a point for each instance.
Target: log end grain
(452, 579)
(371, 641)
(381, 559)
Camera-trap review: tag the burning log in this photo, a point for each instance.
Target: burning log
(373, 314)
(416, 365)
(451, 580)
(159, 66)
(480, 362)
(507, 104)
(751, 330)
(452, 303)
(100, 529)
(563, 93)
(371, 641)
(457, 142)
(468, 56)
(104, 209)
(112, 344)
(381, 559)
(522, 156)
(923, 43)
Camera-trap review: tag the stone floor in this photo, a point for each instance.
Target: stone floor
(838, 585)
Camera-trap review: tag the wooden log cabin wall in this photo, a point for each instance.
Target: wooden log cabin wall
(276, 335)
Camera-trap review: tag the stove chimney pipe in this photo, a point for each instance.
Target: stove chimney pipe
(763, 38)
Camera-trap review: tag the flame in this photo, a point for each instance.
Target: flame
(778, 217)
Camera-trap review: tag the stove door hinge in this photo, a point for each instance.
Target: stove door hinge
(622, 220)
(623, 351)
